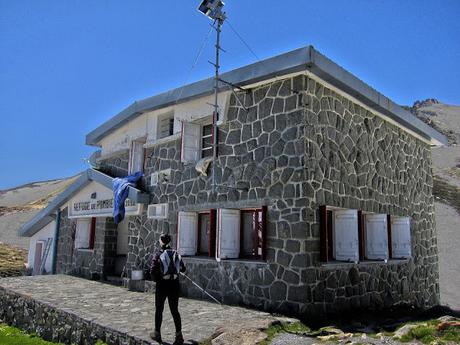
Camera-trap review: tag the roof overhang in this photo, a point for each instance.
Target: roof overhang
(302, 59)
(48, 214)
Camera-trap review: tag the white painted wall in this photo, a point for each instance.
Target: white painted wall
(42, 235)
(145, 125)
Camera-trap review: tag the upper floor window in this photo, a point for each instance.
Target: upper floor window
(206, 141)
(165, 125)
(136, 156)
(197, 141)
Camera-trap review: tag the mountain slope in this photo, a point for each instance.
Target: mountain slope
(18, 205)
(446, 169)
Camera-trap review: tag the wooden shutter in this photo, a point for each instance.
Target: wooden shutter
(346, 242)
(212, 232)
(228, 224)
(376, 236)
(400, 235)
(92, 233)
(136, 158)
(190, 148)
(82, 233)
(187, 226)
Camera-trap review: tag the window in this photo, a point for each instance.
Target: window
(197, 141)
(165, 125)
(136, 156)
(400, 238)
(206, 141)
(240, 234)
(252, 228)
(350, 235)
(339, 234)
(85, 233)
(207, 233)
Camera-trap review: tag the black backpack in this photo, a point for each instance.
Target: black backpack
(170, 264)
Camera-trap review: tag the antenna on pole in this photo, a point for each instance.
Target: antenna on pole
(213, 9)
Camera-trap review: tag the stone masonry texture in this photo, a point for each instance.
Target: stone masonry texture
(295, 146)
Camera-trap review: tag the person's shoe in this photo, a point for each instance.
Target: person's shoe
(156, 336)
(179, 339)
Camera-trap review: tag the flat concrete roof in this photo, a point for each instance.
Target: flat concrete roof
(47, 215)
(302, 59)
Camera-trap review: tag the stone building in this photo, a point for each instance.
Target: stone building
(319, 199)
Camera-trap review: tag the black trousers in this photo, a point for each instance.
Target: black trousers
(169, 289)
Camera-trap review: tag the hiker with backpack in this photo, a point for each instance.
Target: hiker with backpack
(166, 267)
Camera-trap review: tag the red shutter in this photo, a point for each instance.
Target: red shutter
(92, 233)
(390, 242)
(323, 234)
(264, 232)
(361, 237)
(212, 233)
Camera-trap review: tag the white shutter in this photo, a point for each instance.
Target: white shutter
(400, 237)
(187, 228)
(376, 236)
(136, 157)
(190, 149)
(346, 242)
(154, 178)
(228, 223)
(82, 233)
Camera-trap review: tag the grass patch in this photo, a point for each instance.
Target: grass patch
(428, 333)
(12, 260)
(284, 327)
(14, 336)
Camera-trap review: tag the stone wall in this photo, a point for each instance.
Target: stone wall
(296, 146)
(93, 264)
(58, 325)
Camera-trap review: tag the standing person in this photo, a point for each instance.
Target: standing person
(167, 264)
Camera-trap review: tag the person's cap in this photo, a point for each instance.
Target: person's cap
(165, 239)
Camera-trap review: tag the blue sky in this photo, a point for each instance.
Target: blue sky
(68, 66)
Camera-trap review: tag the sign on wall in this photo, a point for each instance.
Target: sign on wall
(96, 200)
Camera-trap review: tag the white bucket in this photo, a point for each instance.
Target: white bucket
(137, 274)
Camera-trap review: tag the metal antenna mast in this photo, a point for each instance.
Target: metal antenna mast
(213, 10)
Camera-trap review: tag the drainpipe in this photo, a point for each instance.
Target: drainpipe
(56, 239)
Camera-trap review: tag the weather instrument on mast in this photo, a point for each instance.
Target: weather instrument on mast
(213, 9)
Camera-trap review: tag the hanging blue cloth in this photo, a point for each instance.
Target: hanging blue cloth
(120, 188)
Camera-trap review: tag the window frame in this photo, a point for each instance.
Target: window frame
(167, 116)
(91, 233)
(259, 224)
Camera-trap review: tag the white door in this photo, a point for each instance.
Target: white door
(400, 237)
(187, 227)
(190, 149)
(228, 223)
(376, 236)
(346, 239)
(122, 237)
(136, 157)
